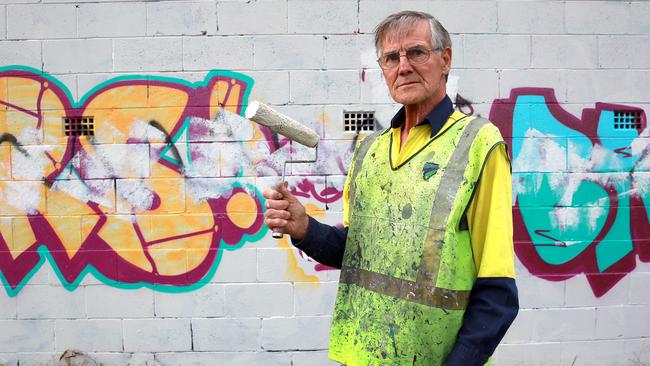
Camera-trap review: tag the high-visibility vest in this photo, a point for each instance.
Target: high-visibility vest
(408, 266)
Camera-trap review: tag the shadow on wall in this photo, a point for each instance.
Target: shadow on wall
(581, 186)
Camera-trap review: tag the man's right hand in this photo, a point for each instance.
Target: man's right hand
(283, 210)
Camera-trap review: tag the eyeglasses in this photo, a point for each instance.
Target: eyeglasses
(415, 55)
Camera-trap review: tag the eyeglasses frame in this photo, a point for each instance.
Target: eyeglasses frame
(403, 54)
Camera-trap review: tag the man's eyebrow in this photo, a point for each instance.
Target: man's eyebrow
(422, 45)
(419, 44)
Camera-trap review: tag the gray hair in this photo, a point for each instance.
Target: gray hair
(404, 21)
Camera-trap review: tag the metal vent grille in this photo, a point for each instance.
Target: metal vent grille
(79, 126)
(359, 121)
(626, 120)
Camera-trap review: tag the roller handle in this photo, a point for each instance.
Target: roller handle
(278, 233)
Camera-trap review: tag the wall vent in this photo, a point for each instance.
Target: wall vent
(627, 120)
(359, 121)
(79, 126)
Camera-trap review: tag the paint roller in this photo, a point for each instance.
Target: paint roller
(279, 123)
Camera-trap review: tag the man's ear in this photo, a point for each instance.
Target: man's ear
(446, 58)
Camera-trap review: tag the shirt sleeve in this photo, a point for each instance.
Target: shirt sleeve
(324, 243)
(489, 216)
(493, 303)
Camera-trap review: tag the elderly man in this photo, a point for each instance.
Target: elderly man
(426, 252)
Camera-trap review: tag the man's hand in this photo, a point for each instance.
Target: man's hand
(283, 210)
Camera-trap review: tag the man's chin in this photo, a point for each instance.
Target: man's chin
(409, 94)
(408, 99)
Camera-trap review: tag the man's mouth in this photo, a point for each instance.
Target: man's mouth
(407, 84)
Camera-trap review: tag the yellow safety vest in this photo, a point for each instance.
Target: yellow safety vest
(408, 267)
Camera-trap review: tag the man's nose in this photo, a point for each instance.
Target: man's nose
(404, 65)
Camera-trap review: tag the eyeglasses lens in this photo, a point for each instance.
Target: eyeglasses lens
(414, 55)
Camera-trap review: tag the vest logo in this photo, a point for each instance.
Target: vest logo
(429, 170)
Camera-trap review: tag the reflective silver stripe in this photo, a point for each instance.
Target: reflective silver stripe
(405, 289)
(361, 152)
(444, 200)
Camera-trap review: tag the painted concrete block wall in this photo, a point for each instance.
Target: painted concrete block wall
(143, 243)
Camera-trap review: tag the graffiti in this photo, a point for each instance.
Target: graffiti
(151, 198)
(168, 180)
(464, 105)
(580, 186)
(307, 189)
(13, 141)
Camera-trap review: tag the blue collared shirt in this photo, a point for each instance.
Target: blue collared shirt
(436, 118)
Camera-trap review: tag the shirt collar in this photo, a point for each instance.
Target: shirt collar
(436, 118)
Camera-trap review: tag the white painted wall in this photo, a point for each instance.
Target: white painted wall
(307, 58)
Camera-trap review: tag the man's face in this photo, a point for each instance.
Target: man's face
(416, 84)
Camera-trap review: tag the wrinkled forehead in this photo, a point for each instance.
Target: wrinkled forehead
(415, 29)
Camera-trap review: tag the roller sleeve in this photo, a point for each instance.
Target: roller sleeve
(279, 123)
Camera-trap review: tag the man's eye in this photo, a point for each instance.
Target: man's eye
(391, 57)
(415, 52)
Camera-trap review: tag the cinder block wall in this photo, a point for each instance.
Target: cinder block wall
(142, 243)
